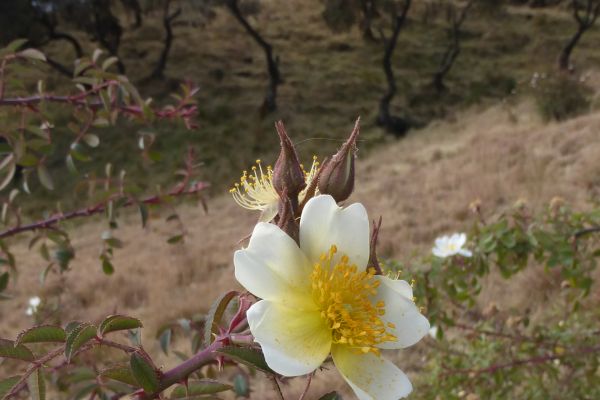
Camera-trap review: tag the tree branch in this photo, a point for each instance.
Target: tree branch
(270, 103)
(97, 209)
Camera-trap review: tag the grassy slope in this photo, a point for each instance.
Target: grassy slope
(329, 79)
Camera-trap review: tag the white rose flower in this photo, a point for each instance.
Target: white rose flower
(447, 246)
(318, 298)
(34, 303)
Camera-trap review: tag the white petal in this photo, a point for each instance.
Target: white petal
(400, 286)
(269, 212)
(273, 267)
(294, 342)
(371, 377)
(465, 252)
(441, 242)
(461, 239)
(400, 310)
(439, 252)
(323, 224)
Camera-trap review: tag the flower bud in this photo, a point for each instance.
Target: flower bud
(286, 219)
(287, 174)
(337, 175)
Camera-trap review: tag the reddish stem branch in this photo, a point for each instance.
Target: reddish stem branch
(184, 109)
(97, 209)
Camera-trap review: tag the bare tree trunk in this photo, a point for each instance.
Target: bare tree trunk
(585, 17)
(393, 124)
(270, 102)
(564, 60)
(164, 55)
(369, 12)
(453, 49)
(134, 5)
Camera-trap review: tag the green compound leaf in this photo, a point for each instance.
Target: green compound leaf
(121, 373)
(42, 334)
(114, 323)
(144, 373)
(199, 387)
(37, 386)
(77, 337)
(247, 355)
(10, 349)
(213, 318)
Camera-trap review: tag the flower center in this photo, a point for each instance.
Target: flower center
(343, 295)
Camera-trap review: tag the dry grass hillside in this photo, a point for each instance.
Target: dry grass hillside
(421, 185)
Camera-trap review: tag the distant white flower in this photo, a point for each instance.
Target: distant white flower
(447, 246)
(34, 303)
(433, 331)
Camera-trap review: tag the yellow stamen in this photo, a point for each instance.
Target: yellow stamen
(343, 295)
(255, 191)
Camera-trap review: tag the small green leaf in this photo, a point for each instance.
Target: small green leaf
(7, 384)
(241, 386)
(96, 55)
(45, 177)
(71, 165)
(121, 373)
(175, 239)
(77, 375)
(165, 340)
(100, 122)
(16, 45)
(42, 334)
(202, 386)
(143, 214)
(144, 373)
(32, 54)
(10, 349)
(213, 318)
(4, 281)
(114, 323)
(108, 62)
(37, 387)
(45, 272)
(85, 390)
(107, 267)
(79, 336)
(80, 66)
(331, 396)
(91, 140)
(247, 355)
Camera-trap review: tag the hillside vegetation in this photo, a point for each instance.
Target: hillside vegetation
(329, 78)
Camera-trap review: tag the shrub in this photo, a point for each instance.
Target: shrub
(560, 97)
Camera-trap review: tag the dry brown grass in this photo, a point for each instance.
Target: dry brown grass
(421, 186)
